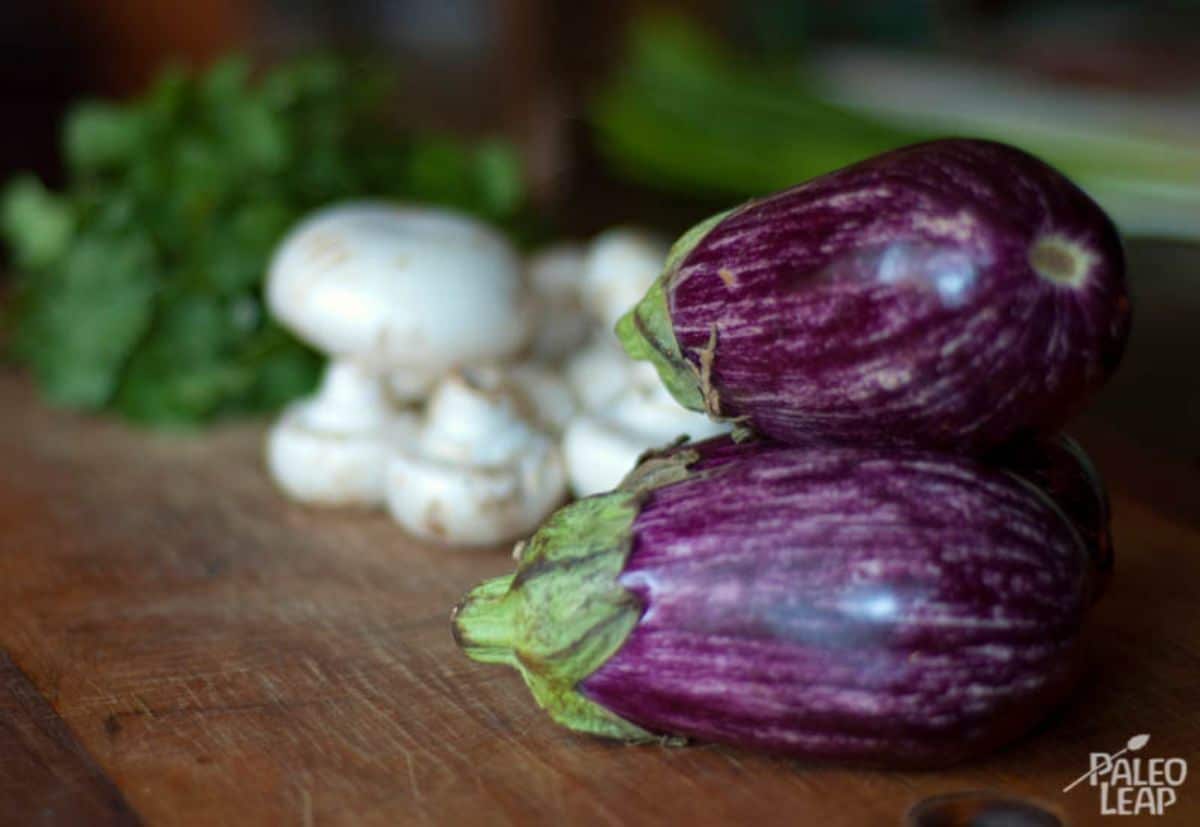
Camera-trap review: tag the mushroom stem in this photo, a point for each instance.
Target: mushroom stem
(478, 472)
(467, 417)
(601, 446)
(408, 386)
(350, 398)
(332, 447)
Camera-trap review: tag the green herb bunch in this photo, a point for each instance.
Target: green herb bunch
(140, 284)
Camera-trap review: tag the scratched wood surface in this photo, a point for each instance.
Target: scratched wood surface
(47, 777)
(207, 653)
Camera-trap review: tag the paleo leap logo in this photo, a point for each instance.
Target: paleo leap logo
(1133, 786)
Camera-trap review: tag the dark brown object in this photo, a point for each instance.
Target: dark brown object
(46, 777)
(978, 809)
(227, 657)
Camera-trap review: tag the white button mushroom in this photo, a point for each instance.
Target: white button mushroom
(556, 278)
(477, 473)
(620, 266)
(626, 411)
(599, 373)
(601, 446)
(332, 448)
(401, 289)
(546, 396)
(388, 292)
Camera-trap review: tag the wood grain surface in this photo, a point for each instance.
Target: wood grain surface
(222, 656)
(45, 775)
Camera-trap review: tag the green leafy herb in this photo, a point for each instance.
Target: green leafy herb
(140, 285)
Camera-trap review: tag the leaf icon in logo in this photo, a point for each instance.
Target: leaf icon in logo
(1132, 745)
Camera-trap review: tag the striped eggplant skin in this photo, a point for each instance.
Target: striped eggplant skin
(896, 608)
(1059, 466)
(949, 294)
(888, 607)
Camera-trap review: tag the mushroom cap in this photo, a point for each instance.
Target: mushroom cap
(394, 286)
(601, 372)
(620, 266)
(601, 446)
(598, 454)
(478, 472)
(548, 398)
(475, 505)
(555, 276)
(315, 463)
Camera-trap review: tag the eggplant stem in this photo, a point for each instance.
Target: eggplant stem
(483, 623)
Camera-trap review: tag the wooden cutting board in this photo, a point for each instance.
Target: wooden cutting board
(181, 645)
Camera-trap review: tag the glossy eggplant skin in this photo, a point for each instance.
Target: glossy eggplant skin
(1059, 466)
(898, 608)
(895, 607)
(951, 294)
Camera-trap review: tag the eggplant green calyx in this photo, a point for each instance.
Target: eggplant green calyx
(647, 335)
(563, 613)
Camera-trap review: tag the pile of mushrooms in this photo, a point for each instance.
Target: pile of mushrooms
(624, 408)
(466, 391)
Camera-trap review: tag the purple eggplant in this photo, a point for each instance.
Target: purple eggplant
(895, 607)
(1061, 468)
(950, 294)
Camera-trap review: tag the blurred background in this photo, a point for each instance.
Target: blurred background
(137, 232)
(1109, 90)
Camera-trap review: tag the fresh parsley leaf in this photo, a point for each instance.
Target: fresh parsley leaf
(38, 224)
(84, 318)
(140, 284)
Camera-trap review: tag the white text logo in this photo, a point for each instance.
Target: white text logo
(1130, 785)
